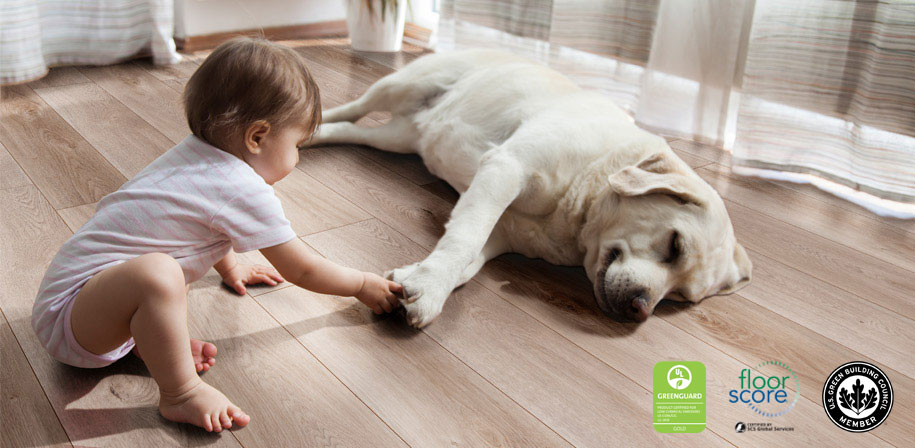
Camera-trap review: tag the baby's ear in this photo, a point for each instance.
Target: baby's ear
(255, 134)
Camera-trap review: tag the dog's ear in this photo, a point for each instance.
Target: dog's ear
(658, 174)
(741, 272)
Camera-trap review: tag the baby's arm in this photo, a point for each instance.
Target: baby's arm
(295, 263)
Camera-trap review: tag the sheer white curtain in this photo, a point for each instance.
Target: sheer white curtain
(35, 35)
(801, 90)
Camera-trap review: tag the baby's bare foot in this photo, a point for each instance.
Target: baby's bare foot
(204, 406)
(204, 354)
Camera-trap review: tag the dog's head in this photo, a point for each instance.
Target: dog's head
(657, 231)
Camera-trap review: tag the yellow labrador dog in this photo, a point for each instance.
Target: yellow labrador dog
(550, 171)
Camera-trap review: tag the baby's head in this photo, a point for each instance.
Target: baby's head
(256, 100)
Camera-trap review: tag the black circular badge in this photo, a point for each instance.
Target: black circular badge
(858, 396)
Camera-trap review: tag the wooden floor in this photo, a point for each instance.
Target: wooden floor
(520, 356)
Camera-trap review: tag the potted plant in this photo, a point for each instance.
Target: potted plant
(376, 25)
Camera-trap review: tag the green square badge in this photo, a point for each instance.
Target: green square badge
(679, 396)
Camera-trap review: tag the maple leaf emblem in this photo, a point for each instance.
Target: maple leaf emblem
(857, 400)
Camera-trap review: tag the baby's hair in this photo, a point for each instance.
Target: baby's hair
(246, 80)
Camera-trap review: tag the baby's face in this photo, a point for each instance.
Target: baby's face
(279, 153)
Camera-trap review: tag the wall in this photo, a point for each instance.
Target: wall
(201, 17)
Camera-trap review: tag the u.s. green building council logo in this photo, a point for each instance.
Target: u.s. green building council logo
(679, 396)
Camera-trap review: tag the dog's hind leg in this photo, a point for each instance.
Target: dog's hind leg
(400, 93)
(398, 135)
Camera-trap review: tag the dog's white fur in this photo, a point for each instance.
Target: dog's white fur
(547, 170)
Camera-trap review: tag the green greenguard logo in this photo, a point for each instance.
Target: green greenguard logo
(679, 396)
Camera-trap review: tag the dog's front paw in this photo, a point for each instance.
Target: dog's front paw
(402, 273)
(423, 311)
(424, 293)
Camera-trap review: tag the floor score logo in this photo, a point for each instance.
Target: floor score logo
(767, 389)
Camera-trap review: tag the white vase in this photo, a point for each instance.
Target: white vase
(368, 32)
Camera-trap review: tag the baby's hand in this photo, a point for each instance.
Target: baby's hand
(248, 274)
(378, 293)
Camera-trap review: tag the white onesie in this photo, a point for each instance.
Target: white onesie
(193, 203)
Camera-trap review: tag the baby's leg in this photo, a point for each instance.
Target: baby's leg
(146, 298)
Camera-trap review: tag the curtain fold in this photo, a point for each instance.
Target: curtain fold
(35, 35)
(820, 91)
(829, 90)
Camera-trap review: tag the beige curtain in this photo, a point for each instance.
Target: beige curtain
(37, 34)
(807, 91)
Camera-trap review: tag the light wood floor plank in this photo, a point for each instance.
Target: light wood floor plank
(112, 406)
(391, 198)
(866, 235)
(858, 324)
(752, 333)
(312, 207)
(184, 69)
(126, 140)
(907, 225)
(75, 217)
(286, 382)
(561, 298)
(707, 152)
(176, 84)
(27, 417)
(67, 169)
(145, 95)
(421, 391)
(886, 284)
(395, 60)
(60, 76)
(293, 400)
(11, 175)
(519, 355)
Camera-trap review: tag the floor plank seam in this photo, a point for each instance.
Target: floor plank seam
(43, 195)
(371, 217)
(701, 341)
(331, 372)
(32, 369)
(560, 335)
(67, 123)
(750, 366)
(831, 201)
(907, 318)
(497, 388)
(536, 320)
(364, 157)
(857, 250)
(811, 329)
(592, 354)
(484, 378)
(337, 192)
(389, 224)
(126, 106)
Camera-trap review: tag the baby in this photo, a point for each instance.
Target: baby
(120, 283)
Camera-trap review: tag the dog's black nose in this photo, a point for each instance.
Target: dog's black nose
(639, 311)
